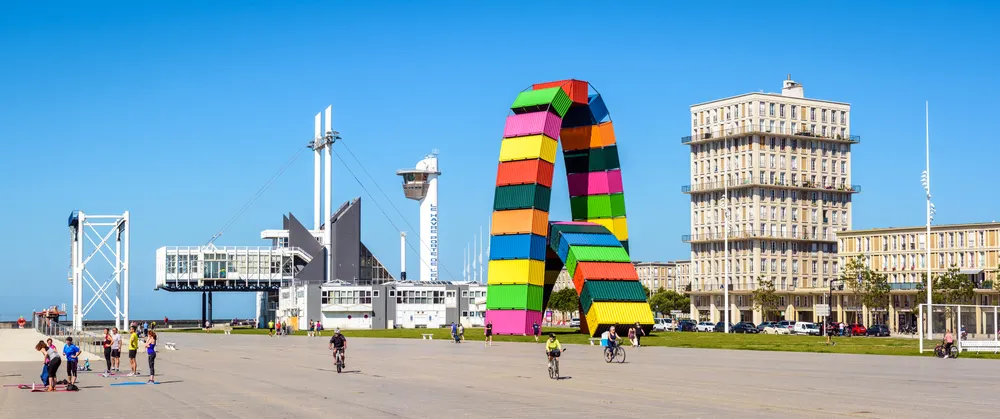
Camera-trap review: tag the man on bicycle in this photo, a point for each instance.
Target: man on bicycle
(339, 343)
(552, 347)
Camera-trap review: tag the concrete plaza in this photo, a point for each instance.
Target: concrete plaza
(244, 376)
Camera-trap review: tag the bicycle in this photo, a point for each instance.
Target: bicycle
(338, 355)
(940, 353)
(554, 366)
(613, 354)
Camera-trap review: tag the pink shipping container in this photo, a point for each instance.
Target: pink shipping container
(533, 123)
(513, 322)
(595, 183)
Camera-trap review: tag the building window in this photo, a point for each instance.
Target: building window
(781, 110)
(812, 114)
(794, 109)
(771, 113)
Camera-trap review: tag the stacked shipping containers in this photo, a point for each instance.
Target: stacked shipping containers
(524, 262)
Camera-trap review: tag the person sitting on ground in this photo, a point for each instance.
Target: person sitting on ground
(339, 343)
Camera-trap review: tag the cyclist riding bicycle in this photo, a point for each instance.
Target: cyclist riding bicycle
(552, 347)
(339, 344)
(948, 341)
(612, 338)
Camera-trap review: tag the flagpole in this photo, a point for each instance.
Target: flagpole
(480, 253)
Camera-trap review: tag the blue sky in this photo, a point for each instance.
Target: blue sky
(180, 111)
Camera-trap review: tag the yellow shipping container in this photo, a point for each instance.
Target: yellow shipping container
(608, 223)
(528, 147)
(517, 272)
(621, 228)
(614, 313)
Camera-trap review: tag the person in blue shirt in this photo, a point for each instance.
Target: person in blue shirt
(72, 353)
(536, 330)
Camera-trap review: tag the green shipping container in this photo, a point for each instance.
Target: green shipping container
(594, 291)
(591, 206)
(592, 160)
(514, 297)
(618, 205)
(536, 100)
(610, 158)
(531, 195)
(594, 254)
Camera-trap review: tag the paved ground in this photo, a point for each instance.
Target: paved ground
(218, 376)
(18, 345)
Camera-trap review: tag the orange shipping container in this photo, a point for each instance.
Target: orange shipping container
(607, 136)
(525, 171)
(522, 221)
(575, 89)
(589, 136)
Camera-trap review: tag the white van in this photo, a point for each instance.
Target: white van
(803, 328)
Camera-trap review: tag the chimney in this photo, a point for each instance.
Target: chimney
(792, 89)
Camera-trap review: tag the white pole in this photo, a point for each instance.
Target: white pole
(118, 278)
(74, 257)
(317, 182)
(725, 235)
(78, 310)
(930, 302)
(465, 264)
(473, 256)
(127, 269)
(481, 254)
(402, 255)
(329, 192)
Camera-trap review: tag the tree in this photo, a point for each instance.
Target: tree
(870, 286)
(646, 290)
(564, 301)
(764, 298)
(951, 287)
(664, 301)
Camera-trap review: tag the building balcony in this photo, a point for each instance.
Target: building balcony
(735, 132)
(757, 235)
(752, 183)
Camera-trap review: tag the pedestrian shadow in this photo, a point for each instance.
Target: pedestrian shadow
(342, 372)
(564, 378)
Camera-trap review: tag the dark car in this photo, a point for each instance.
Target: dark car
(877, 330)
(720, 327)
(745, 327)
(687, 326)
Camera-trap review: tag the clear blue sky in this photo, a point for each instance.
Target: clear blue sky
(180, 111)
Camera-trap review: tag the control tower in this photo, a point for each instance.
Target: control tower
(420, 184)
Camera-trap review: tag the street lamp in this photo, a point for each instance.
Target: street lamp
(725, 240)
(829, 302)
(925, 180)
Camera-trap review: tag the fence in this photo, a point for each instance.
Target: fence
(87, 341)
(978, 321)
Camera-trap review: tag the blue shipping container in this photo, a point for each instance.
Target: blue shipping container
(517, 246)
(598, 110)
(584, 239)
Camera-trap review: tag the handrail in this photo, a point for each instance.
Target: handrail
(743, 130)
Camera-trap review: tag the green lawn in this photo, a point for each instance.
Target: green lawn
(855, 345)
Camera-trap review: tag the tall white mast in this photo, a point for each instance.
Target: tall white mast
(930, 216)
(317, 181)
(329, 190)
(481, 254)
(474, 277)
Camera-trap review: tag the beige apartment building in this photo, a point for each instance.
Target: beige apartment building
(901, 254)
(781, 164)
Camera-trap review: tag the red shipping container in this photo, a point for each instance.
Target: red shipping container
(524, 172)
(604, 271)
(575, 89)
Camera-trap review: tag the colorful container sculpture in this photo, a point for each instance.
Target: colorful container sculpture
(527, 250)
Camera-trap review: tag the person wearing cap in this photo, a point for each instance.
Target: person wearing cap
(552, 347)
(339, 343)
(72, 353)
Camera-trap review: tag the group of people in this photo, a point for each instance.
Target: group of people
(278, 329)
(111, 343)
(315, 328)
(457, 332)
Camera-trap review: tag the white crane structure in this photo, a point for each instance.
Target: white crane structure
(94, 238)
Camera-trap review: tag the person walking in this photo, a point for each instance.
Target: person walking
(151, 353)
(72, 354)
(536, 330)
(116, 350)
(145, 328)
(639, 333)
(454, 332)
(312, 328)
(270, 328)
(461, 333)
(489, 333)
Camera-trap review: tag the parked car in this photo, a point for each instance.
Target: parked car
(764, 325)
(856, 329)
(776, 329)
(706, 326)
(802, 328)
(575, 322)
(660, 324)
(720, 327)
(687, 326)
(670, 324)
(877, 330)
(788, 324)
(745, 327)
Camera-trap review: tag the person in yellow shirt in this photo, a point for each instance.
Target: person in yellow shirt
(552, 347)
(133, 347)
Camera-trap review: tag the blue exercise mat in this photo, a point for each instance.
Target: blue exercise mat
(133, 383)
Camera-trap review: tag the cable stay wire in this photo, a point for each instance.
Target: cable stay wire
(256, 196)
(382, 210)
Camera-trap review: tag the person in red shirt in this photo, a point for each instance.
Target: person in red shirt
(20, 322)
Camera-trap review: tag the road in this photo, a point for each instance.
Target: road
(244, 376)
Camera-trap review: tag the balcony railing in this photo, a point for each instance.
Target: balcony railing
(747, 182)
(757, 234)
(744, 130)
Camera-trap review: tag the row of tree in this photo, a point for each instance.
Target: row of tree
(872, 288)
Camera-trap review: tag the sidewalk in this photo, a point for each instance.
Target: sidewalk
(18, 345)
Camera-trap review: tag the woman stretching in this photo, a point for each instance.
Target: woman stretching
(151, 353)
(53, 359)
(107, 349)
